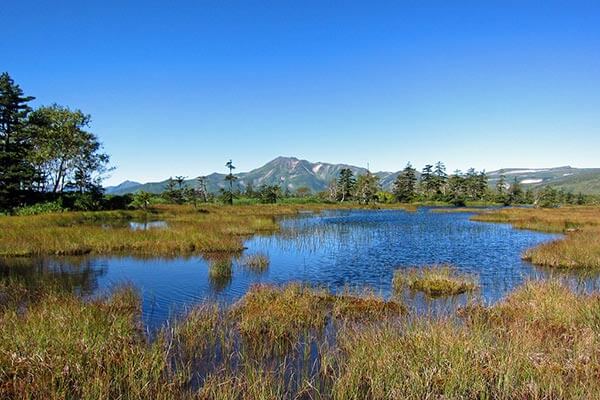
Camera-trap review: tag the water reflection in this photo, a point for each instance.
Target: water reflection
(76, 274)
(147, 225)
(336, 250)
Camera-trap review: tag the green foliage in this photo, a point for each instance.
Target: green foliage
(41, 208)
(269, 194)
(65, 154)
(230, 178)
(346, 184)
(385, 197)
(141, 200)
(406, 184)
(367, 187)
(16, 173)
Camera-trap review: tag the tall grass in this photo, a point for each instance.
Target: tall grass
(542, 341)
(212, 228)
(579, 249)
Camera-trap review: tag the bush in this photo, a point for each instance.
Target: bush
(41, 208)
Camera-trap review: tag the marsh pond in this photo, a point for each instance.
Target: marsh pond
(338, 250)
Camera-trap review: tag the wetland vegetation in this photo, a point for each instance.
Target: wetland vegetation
(541, 341)
(320, 338)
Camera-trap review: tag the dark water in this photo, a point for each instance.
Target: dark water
(335, 249)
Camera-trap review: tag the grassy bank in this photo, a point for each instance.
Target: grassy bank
(542, 341)
(211, 228)
(579, 249)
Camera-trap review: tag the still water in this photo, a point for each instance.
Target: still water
(336, 249)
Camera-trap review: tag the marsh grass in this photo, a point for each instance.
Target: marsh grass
(579, 249)
(434, 281)
(212, 228)
(542, 341)
(258, 262)
(451, 210)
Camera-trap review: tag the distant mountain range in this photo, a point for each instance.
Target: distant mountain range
(294, 173)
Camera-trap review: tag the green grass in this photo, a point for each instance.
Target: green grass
(435, 280)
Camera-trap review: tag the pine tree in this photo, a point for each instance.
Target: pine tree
(427, 180)
(405, 184)
(440, 180)
(16, 172)
(346, 184)
(230, 178)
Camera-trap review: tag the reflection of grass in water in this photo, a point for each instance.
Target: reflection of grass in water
(258, 262)
(435, 280)
(580, 248)
(540, 342)
(220, 272)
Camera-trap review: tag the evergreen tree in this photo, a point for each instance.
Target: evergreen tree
(16, 172)
(515, 193)
(457, 188)
(440, 180)
(405, 184)
(501, 195)
(230, 178)
(346, 184)
(427, 180)
(270, 193)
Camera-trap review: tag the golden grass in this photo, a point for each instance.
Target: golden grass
(580, 249)
(450, 210)
(256, 262)
(271, 314)
(434, 280)
(214, 228)
(541, 342)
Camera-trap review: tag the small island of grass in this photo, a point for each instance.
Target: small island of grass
(434, 281)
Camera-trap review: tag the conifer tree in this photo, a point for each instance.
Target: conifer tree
(405, 184)
(16, 172)
(346, 184)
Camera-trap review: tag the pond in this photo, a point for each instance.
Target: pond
(335, 249)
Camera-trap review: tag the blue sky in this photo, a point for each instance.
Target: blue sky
(178, 88)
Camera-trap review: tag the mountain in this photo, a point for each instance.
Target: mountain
(569, 179)
(294, 173)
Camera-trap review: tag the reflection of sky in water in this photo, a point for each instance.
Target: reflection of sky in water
(333, 249)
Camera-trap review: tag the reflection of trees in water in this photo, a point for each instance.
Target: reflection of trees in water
(75, 274)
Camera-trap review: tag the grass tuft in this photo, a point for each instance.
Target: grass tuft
(256, 262)
(435, 280)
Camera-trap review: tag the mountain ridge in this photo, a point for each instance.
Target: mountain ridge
(293, 173)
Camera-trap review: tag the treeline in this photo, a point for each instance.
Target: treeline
(432, 184)
(47, 154)
(50, 161)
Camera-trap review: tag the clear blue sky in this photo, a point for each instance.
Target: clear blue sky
(178, 88)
